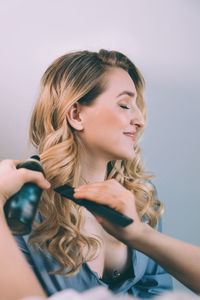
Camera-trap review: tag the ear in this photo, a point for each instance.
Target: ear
(74, 117)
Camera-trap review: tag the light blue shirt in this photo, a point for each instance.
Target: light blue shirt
(148, 280)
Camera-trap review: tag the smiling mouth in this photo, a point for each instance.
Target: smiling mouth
(132, 136)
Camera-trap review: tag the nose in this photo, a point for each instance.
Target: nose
(137, 118)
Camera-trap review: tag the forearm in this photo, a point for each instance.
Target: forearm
(180, 259)
(17, 280)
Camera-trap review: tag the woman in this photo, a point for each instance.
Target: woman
(86, 127)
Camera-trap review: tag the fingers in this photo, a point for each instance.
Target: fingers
(33, 176)
(12, 179)
(7, 166)
(92, 191)
(108, 192)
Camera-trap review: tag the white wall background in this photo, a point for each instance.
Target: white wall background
(161, 37)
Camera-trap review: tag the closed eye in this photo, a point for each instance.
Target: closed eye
(124, 106)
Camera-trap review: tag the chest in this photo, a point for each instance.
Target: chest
(113, 256)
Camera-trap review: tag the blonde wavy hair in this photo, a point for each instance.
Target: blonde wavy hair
(80, 77)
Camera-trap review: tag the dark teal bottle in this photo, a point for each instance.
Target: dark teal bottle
(20, 209)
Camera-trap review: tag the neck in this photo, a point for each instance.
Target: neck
(92, 170)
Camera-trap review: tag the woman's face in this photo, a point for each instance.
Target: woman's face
(111, 122)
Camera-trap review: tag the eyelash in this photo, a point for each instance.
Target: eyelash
(124, 106)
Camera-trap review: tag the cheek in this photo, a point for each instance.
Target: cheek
(105, 125)
(110, 119)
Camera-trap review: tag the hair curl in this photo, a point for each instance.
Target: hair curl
(80, 77)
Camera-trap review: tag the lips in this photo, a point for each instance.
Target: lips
(131, 135)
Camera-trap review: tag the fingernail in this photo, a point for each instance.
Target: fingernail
(48, 184)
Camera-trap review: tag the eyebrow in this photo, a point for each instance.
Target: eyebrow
(129, 93)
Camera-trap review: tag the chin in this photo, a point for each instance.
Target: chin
(128, 155)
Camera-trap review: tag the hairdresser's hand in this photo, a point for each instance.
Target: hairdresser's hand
(12, 179)
(113, 194)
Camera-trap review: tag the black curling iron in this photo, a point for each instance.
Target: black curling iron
(102, 210)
